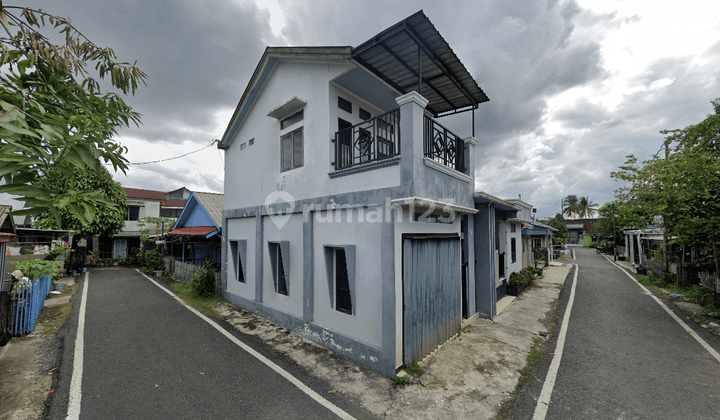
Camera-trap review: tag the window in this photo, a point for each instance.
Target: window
(292, 150)
(280, 265)
(340, 269)
(251, 142)
(238, 251)
(171, 213)
(345, 105)
(242, 146)
(512, 227)
(287, 122)
(133, 213)
(364, 115)
(513, 250)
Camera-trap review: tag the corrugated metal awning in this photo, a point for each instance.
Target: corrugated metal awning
(412, 55)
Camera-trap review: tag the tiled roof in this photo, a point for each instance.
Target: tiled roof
(173, 202)
(193, 231)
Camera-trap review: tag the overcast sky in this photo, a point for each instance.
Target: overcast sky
(574, 86)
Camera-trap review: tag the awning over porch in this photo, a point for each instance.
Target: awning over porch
(412, 55)
(201, 231)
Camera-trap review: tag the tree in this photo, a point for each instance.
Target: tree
(569, 206)
(619, 211)
(585, 208)
(107, 220)
(54, 117)
(683, 188)
(557, 222)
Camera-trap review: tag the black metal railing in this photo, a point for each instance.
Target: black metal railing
(375, 139)
(442, 145)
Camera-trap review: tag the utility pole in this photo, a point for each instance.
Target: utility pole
(614, 244)
(665, 231)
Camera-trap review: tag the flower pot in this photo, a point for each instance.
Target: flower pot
(516, 290)
(158, 273)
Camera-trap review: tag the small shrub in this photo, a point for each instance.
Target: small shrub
(154, 260)
(36, 268)
(203, 281)
(414, 369)
(593, 245)
(399, 382)
(54, 253)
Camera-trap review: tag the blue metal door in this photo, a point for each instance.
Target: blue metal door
(432, 294)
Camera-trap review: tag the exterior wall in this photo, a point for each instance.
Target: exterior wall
(513, 267)
(485, 261)
(254, 173)
(150, 209)
(292, 232)
(243, 229)
(331, 228)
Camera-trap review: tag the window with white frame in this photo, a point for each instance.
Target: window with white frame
(238, 252)
(340, 269)
(280, 265)
(292, 142)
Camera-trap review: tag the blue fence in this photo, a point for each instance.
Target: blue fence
(29, 302)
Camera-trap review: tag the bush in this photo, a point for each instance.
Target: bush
(524, 277)
(203, 281)
(54, 253)
(154, 260)
(593, 245)
(36, 268)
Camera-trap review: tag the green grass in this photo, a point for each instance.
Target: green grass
(399, 382)
(414, 369)
(700, 295)
(205, 305)
(52, 318)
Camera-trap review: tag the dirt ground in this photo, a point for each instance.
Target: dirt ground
(27, 364)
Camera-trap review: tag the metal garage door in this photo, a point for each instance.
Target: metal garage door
(432, 293)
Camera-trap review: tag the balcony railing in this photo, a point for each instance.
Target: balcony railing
(375, 139)
(443, 146)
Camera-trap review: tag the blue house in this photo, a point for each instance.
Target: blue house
(197, 234)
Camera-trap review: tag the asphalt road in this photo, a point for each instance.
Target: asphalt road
(148, 357)
(624, 357)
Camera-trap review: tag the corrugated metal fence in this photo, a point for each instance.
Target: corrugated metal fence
(432, 291)
(28, 304)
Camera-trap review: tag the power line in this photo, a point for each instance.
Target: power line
(172, 158)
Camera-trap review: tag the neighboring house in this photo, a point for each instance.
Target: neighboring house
(197, 233)
(497, 247)
(578, 228)
(536, 236)
(348, 207)
(141, 204)
(639, 243)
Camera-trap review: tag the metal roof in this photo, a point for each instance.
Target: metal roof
(213, 204)
(412, 54)
(483, 197)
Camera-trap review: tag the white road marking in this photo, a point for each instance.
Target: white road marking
(699, 339)
(547, 389)
(304, 388)
(76, 381)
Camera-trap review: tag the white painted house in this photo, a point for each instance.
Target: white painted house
(348, 207)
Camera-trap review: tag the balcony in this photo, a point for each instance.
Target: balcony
(443, 146)
(375, 143)
(369, 141)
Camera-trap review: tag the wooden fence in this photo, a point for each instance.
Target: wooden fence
(184, 271)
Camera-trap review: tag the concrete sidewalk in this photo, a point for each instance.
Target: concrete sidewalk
(470, 376)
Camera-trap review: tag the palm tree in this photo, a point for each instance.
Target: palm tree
(569, 206)
(585, 208)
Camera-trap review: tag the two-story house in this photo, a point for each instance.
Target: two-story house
(347, 205)
(142, 204)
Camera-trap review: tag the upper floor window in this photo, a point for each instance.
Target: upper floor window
(345, 105)
(292, 150)
(364, 115)
(133, 213)
(512, 227)
(170, 213)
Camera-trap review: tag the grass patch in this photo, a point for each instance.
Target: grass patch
(561, 286)
(205, 305)
(52, 318)
(415, 369)
(698, 294)
(399, 382)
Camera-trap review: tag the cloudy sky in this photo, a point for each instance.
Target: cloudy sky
(574, 86)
